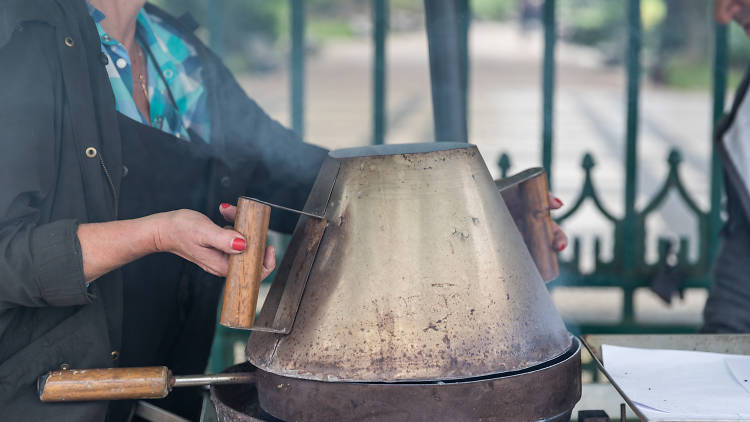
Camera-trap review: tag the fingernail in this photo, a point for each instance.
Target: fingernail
(224, 205)
(561, 247)
(238, 244)
(559, 202)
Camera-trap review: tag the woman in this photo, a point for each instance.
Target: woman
(85, 190)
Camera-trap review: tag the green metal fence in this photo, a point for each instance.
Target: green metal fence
(628, 269)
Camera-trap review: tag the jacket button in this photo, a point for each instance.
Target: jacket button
(91, 152)
(225, 181)
(115, 355)
(69, 42)
(64, 366)
(103, 58)
(124, 171)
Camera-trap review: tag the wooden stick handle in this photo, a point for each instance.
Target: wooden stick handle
(528, 202)
(538, 225)
(105, 384)
(245, 269)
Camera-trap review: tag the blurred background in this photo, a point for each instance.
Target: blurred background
(683, 81)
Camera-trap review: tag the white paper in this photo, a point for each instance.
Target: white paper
(740, 369)
(677, 384)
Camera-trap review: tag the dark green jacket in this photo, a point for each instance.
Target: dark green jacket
(61, 165)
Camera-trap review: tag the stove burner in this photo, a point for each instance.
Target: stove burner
(546, 393)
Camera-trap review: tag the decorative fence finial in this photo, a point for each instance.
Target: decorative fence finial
(588, 162)
(504, 164)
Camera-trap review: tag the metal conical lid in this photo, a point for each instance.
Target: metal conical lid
(421, 274)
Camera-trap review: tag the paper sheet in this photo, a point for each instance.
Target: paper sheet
(682, 385)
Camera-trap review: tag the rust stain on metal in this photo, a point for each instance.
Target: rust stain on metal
(460, 235)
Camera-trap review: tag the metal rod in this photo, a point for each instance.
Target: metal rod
(448, 99)
(506, 182)
(297, 82)
(463, 9)
(630, 253)
(269, 330)
(721, 42)
(214, 379)
(380, 23)
(281, 207)
(631, 133)
(595, 357)
(548, 87)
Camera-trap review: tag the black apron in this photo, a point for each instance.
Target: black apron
(169, 303)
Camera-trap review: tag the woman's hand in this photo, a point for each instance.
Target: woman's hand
(229, 212)
(193, 236)
(189, 234)
(559, 240)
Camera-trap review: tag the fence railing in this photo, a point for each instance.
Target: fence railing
(628, 269)
(447, 25)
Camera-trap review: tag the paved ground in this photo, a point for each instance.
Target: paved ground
(505, 116)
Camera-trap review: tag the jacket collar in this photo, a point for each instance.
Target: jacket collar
(14, 13)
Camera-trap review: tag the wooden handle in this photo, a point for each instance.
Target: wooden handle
(245, 269)
(528, 202)
(105, 384)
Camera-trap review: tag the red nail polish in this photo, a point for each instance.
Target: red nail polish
(224, 205)
(559, 202)
(238, 244)
(561, 247)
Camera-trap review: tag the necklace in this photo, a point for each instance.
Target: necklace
(141, 70)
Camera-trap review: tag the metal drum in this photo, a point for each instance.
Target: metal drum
(545, 393)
